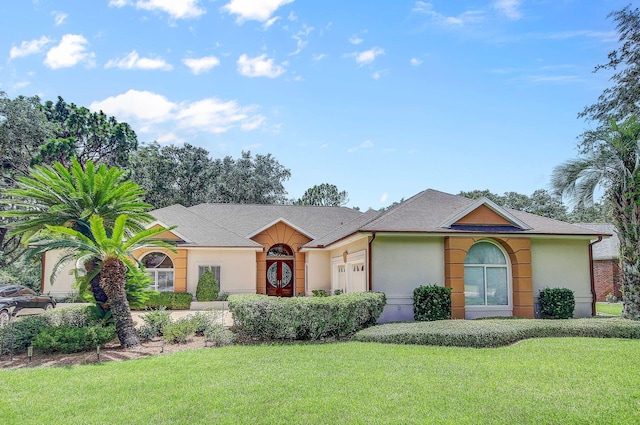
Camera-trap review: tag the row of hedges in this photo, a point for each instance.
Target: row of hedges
(169, 300)
(270, 318)
(496, 332)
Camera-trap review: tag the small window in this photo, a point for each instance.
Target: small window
(280, 250)
(160, 267)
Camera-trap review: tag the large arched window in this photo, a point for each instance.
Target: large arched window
(160, 268)
(486, 276)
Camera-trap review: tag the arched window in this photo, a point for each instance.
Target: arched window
(486, 276)
(280, 250)
(160, 268)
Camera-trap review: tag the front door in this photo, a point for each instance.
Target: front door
(280, 278)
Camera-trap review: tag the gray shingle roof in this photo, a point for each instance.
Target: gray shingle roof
(606, 249)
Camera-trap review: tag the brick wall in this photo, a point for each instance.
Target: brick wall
(606, 274)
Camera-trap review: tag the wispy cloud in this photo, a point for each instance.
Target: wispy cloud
(376, 75)
(318, 57)
(133, 61)
(415, 61)
(508, 8)
(176, 9)
(260, 66)
(27, 48)
(71, 51)
(354, 39)
(384, 197)
(59, 17)
(257, 10)
(367, 56)
(301, 39)
(200, 65)
(364, 145)
(465, 18)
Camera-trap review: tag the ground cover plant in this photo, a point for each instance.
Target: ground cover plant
(550, 380)
(496, 332)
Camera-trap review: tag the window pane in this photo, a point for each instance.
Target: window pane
(497, 288)
(474, 285)
(165, 281)
(485, 253)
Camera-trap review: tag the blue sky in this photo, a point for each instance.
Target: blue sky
(381, 98)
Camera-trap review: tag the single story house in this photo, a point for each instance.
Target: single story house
(495, 260)
(606, 262)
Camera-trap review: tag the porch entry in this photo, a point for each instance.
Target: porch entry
(280, 270)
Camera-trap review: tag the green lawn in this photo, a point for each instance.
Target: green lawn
(536, 381)
(614, 309)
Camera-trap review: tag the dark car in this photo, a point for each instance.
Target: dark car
(18, 300)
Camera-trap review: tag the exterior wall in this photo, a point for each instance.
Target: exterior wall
(563, 263)
(237, 269)
(179, 259)
(606, 274)
(318, 265)
(402, 263)
(519, 252)
(349, 267)
(277, 234)
(64, 281)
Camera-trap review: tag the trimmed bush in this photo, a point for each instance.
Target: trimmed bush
(272, 318)
(75, 316)
(496, 332)
(169, 300)
(67, 339)
(154, 321)
(19, 334)
(208, 287)
(319, 293)
(218, 336)
(556, 303)
(179, 331)
(431, 302)
(204, 320)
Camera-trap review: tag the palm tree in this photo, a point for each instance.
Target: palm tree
(111, 255)
(55, 196)
(612, 164)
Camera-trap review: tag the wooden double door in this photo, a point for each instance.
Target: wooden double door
(280, 278)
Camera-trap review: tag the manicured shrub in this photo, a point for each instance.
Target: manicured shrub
(19, 334)
(179, 331)
(338, 292)
(170, 300)
(272, 318)
(75, 316)
(556, 303)
(431, 302)
(208, 287)
(67, 339)
(154, 321)
(319, 293)
(204, 320)
(218, 336)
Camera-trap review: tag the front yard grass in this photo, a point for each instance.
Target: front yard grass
(613, 309)
(547, 380)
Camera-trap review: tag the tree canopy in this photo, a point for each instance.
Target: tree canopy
(325, 194)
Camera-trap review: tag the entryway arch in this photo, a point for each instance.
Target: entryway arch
(280, 271)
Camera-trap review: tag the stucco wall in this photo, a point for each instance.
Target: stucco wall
(63, 283)
(237, 269)
(402, 263)
(318, 270)
(559, 263)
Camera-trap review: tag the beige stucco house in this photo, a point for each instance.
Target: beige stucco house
(496, 260)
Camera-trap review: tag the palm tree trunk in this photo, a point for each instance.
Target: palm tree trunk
(112, 280)
(98, 293)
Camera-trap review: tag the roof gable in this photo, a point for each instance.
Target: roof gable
(170, 235)
(284, 221)
(484, 212)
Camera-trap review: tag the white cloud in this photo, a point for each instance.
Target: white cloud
(257, 10)
(364, 145)
(133, 61)
(466, 17)
(259, 66)
(376, 75)
(415, 61)
(301, 39)
(20, 85)
(367, 56)
(270, 22)
(318, 57)
(177, 9)
(354, 39)
(59, 17)
(200, 65)
(384, 197)
(153, 113)
(29, 47)
(508, 8)
(69, 52)
(292, 16)
(169, 138)
(324, 145)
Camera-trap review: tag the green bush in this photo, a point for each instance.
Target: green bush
(170, 300)
(208, 287)
(153, 322)
(556, 303)
(67, 339)
(19, 334)
(137, 287)
(496, 332)
(218, 336)
(223, 296)
(75, 316)
(431, 302)
(179, 331)
(319, 293)
(274, 318)
(203, 320)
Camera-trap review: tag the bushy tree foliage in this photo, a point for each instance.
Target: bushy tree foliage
(325, 194)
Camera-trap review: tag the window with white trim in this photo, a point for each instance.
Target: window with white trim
(160, 267)
(486, 276)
